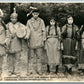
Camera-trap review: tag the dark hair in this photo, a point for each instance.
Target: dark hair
(68, 16)
(73, 36)
(55, 27)
(72, 26)
(64, 34)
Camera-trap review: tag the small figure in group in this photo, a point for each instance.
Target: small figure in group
(15, 32)
(70, 44)
(2, 41)
(36, 43)
(81, 55)
(52, 46)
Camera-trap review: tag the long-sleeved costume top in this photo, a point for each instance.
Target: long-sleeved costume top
(2, 40)
(69, 34)
(69, 41)
(37, 32)
(14, 42)
(81, 55)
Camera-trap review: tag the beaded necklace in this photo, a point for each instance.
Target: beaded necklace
(35, 27)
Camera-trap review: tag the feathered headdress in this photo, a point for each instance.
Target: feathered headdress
(14, 14)
(32, 10)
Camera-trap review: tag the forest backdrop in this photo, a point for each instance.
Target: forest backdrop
(47, 10)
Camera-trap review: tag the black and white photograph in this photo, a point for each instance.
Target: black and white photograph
(42, 41)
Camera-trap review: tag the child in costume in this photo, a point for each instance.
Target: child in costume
(53, 46)
(36, 42)
(16, 31)
(70, 43)
(2, 41)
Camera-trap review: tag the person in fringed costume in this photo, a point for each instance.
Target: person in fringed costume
(16, 31)
(2, 40)
(36, 43)
(70, 43)
(81, 50)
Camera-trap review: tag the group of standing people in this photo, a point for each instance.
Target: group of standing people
(48, 47)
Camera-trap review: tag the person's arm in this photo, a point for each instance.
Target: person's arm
(77, 37)
(27, 31)
(64, 32)
(7, 31)
(59, 38)
(81, 29)
(8, 37)
(43, 30)
(47, 30)
(59, 33)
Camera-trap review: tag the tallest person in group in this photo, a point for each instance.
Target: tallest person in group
(36, 42)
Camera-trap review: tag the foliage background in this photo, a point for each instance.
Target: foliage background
(47, 10)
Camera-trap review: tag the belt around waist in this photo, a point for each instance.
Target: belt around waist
(70, 38)
(52, 37)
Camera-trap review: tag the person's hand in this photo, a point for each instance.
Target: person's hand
(45, 45)
(60, 38)
(81, 26)
(48, 36)
(62, 48)
(26, 37)
(7, 49)
(76, 48)
(7, 41)
(44, 42)
(58, 48)
(13, 35)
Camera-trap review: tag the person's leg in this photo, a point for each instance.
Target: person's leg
(70, 71)
(48, 68)
(39, 54)
(32, 61)
(10, 62)
(57, 69)
(17, 63)
(24, 58)
(1, 63)
(52, 68)
(44, 62)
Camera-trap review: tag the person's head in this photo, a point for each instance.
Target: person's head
(70, 19)
(35, 13)
(52, 22)
(1, 15)
(13, 17)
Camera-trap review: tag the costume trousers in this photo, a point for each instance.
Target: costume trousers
(13, 60)
(35, 60)
(1, 63)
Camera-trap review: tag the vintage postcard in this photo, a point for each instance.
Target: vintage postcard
(41, 41)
